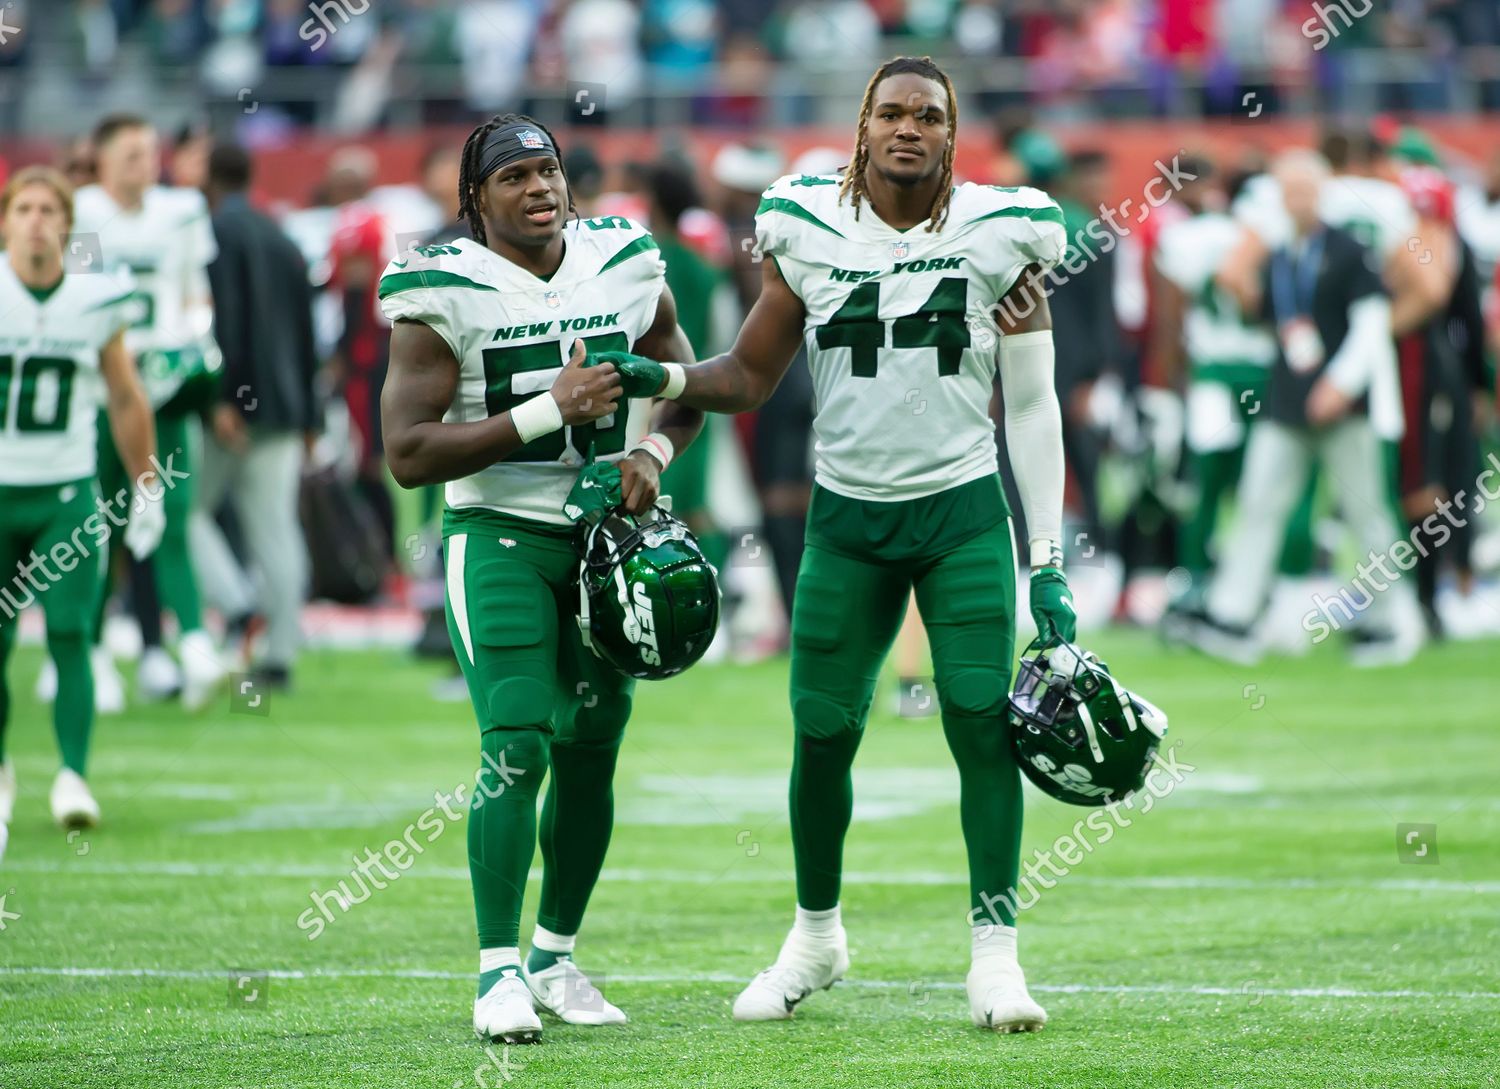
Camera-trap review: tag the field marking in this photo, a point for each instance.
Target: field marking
(909, 986)
(1194, 882)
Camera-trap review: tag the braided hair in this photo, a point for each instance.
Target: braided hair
(469, 165)
(853, 185)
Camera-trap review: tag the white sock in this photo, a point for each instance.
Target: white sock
(822, 925)
(994, 943)
(548, 942)
(499, 956)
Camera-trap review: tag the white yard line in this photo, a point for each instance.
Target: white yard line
(771, 876)
(909, 986)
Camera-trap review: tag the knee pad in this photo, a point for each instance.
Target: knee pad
(597, 726)
(975, 693)
(518, 702)
(819, 718)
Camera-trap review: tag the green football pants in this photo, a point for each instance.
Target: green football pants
(50, 554)
(846, 614)
(172, 562)
(544, 700)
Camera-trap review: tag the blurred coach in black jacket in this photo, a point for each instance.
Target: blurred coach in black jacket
(266, 413)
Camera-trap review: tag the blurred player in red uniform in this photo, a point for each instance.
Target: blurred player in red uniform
(359, 251)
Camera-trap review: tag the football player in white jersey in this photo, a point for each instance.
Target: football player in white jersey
(164, 237)
(488, 392)
(1198, 327)
(1379, 214)
(62, 358)
(901, 286)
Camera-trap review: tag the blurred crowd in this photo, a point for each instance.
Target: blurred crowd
(1162, 364)
(361, 63)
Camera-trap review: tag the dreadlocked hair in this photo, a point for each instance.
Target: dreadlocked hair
(472, 160)
(853, 185)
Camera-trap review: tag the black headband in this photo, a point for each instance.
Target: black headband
(511, 143)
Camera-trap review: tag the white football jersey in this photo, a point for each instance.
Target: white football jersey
(1376, 212)
(900, 333)
(511, 333)
(51, 387)
(167, 244)
(1189, 253)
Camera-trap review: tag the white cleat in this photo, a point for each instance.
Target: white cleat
(109, 686)
(157, 677)
(7, 791)
(46, 682)
(202, 672)
(998, 999)
(73, 804)
(567, 992)
(803, 966)
(505, 1013)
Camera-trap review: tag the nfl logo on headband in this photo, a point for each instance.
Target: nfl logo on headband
(530, 139)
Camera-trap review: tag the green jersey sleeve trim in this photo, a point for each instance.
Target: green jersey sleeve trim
(410, 281)
(644, 244)
(792, 208)
(1050, 214)
(113, 301)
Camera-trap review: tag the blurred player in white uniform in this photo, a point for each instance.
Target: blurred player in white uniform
(164, 237)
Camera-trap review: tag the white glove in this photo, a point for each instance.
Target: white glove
(148, 521)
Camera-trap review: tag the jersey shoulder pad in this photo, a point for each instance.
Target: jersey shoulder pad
(91, 206)
(798, 205)
(175, 206)
(613, 241)
(426, 282)
(1027, 218)
(1188, 251)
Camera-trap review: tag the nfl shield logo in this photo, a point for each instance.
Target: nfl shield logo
(530, 139)
(552, 299)
(899, 250)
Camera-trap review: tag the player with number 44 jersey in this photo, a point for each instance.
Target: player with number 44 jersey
(908, 291)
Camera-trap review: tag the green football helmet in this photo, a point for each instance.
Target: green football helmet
(648, 600)
(1078, 735)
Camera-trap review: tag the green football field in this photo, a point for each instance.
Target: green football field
(1265, 924)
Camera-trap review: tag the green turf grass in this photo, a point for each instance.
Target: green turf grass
(1255, 929)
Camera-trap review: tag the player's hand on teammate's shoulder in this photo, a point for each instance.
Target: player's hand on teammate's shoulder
(584, 393)
(640, 481)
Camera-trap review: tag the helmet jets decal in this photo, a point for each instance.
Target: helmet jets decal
(648, 600)
(1078, 734)
(639, 623)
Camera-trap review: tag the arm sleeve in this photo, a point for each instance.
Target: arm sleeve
(1368, 343)
(1366, 347)
(1033, 435)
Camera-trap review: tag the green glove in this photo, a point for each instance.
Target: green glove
(1052, 605)
(639, 376)
(595, 493)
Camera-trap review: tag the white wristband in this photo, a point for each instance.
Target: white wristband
(1045, 553)
(536, 417)
(658, 446)
(676, 381)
